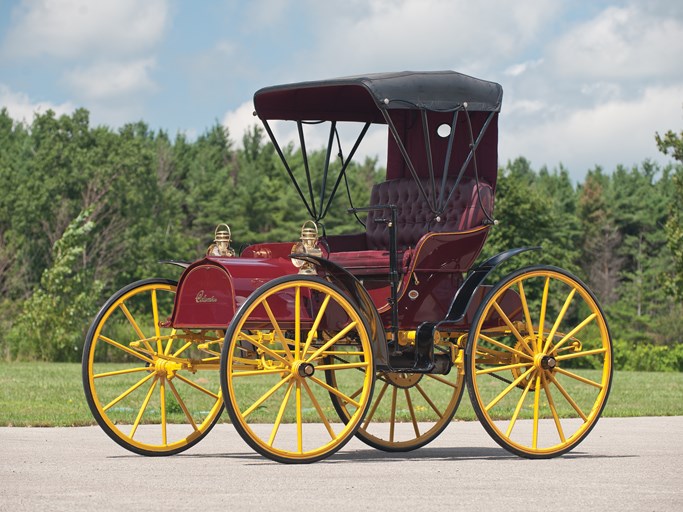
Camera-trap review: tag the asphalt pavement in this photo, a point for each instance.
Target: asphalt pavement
(624, 464)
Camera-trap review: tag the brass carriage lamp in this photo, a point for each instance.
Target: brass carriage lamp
(221, 242)
(307, 245)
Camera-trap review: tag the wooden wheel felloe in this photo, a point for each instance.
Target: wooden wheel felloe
(427, 403)
(539, 362)
(153, 390)
(272, 369)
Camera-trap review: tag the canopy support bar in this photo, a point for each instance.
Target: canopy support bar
(304, 154)
(473, 148)
(428, 146)
(345, 164)
(406, 157)
(287, 168)
(447, 161)
(326, 169)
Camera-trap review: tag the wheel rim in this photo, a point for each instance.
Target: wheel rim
(426, 403)
(276, 397)
(540, 351)
(154, 390)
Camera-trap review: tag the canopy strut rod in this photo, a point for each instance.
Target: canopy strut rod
(447, 162)
(326, 169)
(428, 150)
(304, 154)
(473, 148)
(289, 171)
(345, 164)
(406, 158)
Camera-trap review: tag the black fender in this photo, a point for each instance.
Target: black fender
(357, 293)
(463, 297)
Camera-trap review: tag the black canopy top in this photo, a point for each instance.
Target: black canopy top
(362, 97)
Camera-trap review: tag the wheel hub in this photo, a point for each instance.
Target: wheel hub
(166, 368)
(548, 362)
(304, 370)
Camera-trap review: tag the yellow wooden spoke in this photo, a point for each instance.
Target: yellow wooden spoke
(155, 315)
(316, 323)
(553, 409)
(251, 373)
(335, 391)
(127, 350)
(505, 347)
(527, 315)
(575, 330)
(143, 408)
(299, 426)
(579, 378)
(537, 397)
(316, 404)
(412, 412)
(342, 366)
(197, 386)
(162, 403)
(370, 414)
(512, 327)
(128, 392)
(267, 395)
(332, 341)
(520, 403)
(392, 424)
(503, 368)
(544, 305)
(441, 380)
(121, 372)
(280, 414)
(169, 343)
(266, 349)
(278, 331)
(136, 327)
(182, 405)
(429, 400)
(558, 320)
(508, 389)
(297, 323)
(581, 354)
(182, 349)
(568, 398)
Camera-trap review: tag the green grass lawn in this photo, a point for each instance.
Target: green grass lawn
(51, 394)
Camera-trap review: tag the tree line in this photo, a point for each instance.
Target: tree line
(85, 210)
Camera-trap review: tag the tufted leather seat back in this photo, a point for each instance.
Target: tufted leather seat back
(415, 218)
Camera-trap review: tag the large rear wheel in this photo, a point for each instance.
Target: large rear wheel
(281, 341)
(539, 362)
(152, 389)
(423, 403)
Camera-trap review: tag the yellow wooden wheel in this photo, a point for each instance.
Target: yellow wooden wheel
(539, 362)
(273, 362)
(414, 408)
(152, 389)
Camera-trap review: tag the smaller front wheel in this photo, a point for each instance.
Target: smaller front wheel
(276, 352)
(539, 362)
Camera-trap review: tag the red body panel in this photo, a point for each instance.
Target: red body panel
(213, 288)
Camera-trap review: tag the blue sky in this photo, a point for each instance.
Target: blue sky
(586, 83)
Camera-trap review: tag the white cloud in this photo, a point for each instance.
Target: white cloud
(386, 35)
(240, 120)
(617, 132)
(522, 67)
(620, 43)
(75, 28)
(21, 108)
(110, 80)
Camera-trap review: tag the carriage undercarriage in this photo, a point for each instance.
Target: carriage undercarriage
(374, 335)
